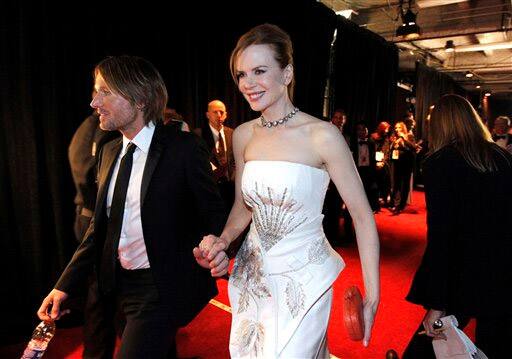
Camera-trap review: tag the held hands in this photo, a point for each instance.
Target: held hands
(53, 300)
(369, 310)
(211, 254)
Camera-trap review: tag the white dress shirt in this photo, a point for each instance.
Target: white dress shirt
(132, 249)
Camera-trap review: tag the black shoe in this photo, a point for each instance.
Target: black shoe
(396, 211)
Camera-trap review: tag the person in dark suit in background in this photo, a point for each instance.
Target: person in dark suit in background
(86, 144)
(218, 138)
(156, 198)
(465, 269)
(383, 171)
(363, 151)
(339, 119)
(333, 205)
(173, 118)
(500, 133)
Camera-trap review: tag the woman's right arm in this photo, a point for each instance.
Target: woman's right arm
(240, 215)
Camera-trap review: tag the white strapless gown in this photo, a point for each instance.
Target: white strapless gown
(280, 289)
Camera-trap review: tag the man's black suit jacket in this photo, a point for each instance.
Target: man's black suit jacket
(179, 204)
(206, 134)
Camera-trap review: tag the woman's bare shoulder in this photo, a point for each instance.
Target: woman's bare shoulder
(245, 130)
(324, 130)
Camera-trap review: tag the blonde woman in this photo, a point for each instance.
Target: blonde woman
(466, 266)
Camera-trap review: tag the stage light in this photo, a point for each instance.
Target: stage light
(409, 28)
(449, 46)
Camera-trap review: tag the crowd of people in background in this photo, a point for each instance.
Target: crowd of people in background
(389, 162)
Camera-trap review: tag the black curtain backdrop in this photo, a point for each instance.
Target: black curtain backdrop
(430, 86)
(497, 105)
(46, 63)
(365, 75)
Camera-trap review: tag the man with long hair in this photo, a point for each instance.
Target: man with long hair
(156, 198)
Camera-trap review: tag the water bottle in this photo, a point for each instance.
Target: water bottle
(39, 342)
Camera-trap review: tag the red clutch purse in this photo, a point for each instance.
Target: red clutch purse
(353, 313)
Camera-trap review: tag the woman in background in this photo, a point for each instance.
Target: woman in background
(403, 150)
(466, 266)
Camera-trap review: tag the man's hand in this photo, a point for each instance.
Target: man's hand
(53, 300)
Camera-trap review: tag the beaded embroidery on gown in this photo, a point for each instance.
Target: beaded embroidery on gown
(280, 287)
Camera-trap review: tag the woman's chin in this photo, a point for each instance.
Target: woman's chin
(256, 106)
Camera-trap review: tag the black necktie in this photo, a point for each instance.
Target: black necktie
(115, 221)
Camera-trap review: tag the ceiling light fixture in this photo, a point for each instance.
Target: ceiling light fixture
(423, 4)
(469, 74)
(409, 29)
(486, 47)
(487, 94)
(449, 46)
(477, 86)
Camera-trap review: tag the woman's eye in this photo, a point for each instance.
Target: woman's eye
(239, 75)
(259, 71)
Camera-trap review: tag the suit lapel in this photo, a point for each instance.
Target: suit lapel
(109, 158)
(155, 151)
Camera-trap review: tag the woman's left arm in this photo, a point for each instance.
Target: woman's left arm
(333, 149)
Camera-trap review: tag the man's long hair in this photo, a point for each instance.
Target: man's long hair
(136, 80)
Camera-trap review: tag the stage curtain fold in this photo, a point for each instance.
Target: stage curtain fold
(365, 75)
(431, 85)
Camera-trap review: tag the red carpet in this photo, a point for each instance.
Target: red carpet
(402, 243)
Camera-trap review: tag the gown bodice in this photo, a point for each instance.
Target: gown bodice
(285, 264)
(286, 199)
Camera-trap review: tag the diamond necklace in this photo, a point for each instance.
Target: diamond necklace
(269, 124)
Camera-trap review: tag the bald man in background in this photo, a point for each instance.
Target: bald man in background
(218, 138)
